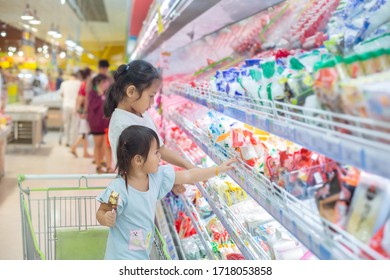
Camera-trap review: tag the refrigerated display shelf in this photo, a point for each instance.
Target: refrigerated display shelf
(165, 232)
(324, 239)
(200, 229)
(182, 17)
(171, 224)
(365, 147)
(250, 249)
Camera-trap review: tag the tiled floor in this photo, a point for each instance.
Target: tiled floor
(51, 158)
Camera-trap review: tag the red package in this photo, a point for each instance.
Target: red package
(235, 256)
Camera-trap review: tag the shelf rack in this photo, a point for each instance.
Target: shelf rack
(365, 146)
(324, 239)
(165, 232)
(199, 227)
(249, 248)
(171, 224)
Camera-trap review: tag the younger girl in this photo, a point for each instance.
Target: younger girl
(141, 183)
(128, 100)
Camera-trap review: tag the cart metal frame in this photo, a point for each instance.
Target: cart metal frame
(46, 212)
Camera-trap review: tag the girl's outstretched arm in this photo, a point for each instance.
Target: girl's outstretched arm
(173, 158)
(194, 175)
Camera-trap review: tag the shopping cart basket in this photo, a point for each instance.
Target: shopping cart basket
(59, 218)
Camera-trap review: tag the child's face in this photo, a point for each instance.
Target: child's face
(154, 157)
(147, 99)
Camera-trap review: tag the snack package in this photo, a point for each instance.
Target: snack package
(190, 248)
(370, 208)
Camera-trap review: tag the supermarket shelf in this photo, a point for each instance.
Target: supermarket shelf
(366, 146)
(324, 239)
(174, 16)
(200, 229)
(171, 225)
(242, 238)
(183, 17)
(165, 232)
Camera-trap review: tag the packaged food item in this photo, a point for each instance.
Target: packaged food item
(354, 67)
(326, 85)
(370, 208)
(190, 248)
(377, 96)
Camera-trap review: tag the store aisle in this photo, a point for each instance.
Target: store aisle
(49, 159)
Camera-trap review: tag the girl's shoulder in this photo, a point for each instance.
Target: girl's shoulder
(165, 173)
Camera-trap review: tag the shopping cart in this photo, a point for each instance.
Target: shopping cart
(59, 218)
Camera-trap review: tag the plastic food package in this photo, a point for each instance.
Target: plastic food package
(190, 248)
(370, 208)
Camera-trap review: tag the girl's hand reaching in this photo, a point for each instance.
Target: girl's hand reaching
(226, 166)
(178, 189)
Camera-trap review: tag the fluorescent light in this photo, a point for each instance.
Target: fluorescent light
(27, 15)
(20, 53)
(10, 53)
(3, 33)
(62, 55)
(35, 21)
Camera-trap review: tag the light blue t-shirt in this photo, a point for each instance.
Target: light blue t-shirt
(132, 236)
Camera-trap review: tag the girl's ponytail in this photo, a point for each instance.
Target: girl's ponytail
(111, 101)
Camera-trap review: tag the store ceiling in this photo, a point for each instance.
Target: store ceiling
(99, 25)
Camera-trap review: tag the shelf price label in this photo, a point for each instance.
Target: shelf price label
(328, 146)
(281, 129)
(377, 162)
(303, 137)
(251, 119)
(352, 155)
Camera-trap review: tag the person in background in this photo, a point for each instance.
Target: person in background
(96, 120)
(104, 68)
(81, 108)
(59, 79)
(141, 184)
(69, 90)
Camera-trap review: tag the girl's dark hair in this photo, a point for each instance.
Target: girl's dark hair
(134, 140)
(85, 73)
(98, 79)
(138, 73)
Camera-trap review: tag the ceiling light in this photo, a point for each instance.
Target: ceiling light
(36, 19)
(39, 49)
(20, 53)
(27, 15)
(52, 30)
(62, 55)
(3, 33)
(10, 53)
(34, 29)
(63, 2)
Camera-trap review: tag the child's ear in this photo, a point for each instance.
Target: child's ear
(139, 160)
(131, 91)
